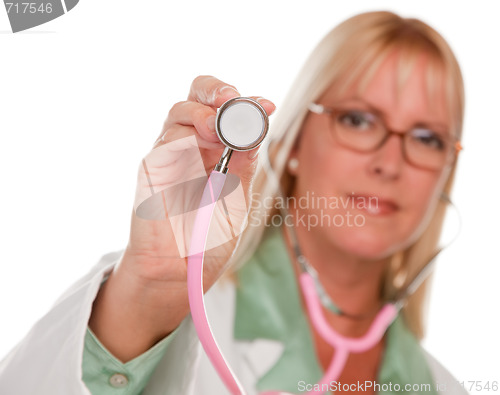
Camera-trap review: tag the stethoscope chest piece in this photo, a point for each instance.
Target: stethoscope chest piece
(241, 124)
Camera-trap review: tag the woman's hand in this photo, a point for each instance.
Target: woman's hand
(145, 297)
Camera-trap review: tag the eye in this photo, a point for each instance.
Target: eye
(428, 139)
(354, 119)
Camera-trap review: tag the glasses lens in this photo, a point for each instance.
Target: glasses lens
(428, 149)
(356, 129)
(365, 131)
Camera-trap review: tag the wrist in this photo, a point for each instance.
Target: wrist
(130, 314)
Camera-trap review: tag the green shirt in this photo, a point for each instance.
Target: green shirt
(267, 307)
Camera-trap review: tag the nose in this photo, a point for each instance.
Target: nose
(387, 161)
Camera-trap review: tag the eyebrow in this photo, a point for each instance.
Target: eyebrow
(382, 115)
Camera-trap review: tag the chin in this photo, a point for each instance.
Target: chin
(367, 245)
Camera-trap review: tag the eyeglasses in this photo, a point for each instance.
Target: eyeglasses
(365, 131)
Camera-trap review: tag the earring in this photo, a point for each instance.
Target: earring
(445, 198)
(293, 165)
(399, 270)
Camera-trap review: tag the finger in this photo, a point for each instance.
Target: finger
(211, 91)
(176, 132)
(202, 117)
(195, 114)
(268, 105)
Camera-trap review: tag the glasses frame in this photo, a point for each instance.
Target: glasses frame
(455, 145)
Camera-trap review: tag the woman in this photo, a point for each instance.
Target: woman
(373, 121)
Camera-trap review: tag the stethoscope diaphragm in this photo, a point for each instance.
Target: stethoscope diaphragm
(241, 124)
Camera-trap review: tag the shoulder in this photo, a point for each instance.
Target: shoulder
(407, 361)
(443, 379)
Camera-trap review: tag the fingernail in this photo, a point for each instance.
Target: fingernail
(211, 123)
(228, 87)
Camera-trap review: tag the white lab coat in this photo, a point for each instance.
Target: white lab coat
(48, 361)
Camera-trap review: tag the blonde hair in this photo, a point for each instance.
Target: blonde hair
(350, 54)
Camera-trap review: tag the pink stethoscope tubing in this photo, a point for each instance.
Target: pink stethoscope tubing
(201, 225)
(343, 345)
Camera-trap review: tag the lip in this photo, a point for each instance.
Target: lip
(373, 205)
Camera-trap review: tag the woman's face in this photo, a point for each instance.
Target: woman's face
(378, 203)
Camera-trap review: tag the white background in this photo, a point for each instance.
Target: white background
(83, 98)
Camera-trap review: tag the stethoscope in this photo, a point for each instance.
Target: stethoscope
(242, 124)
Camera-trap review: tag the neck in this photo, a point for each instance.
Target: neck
(352, 282)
